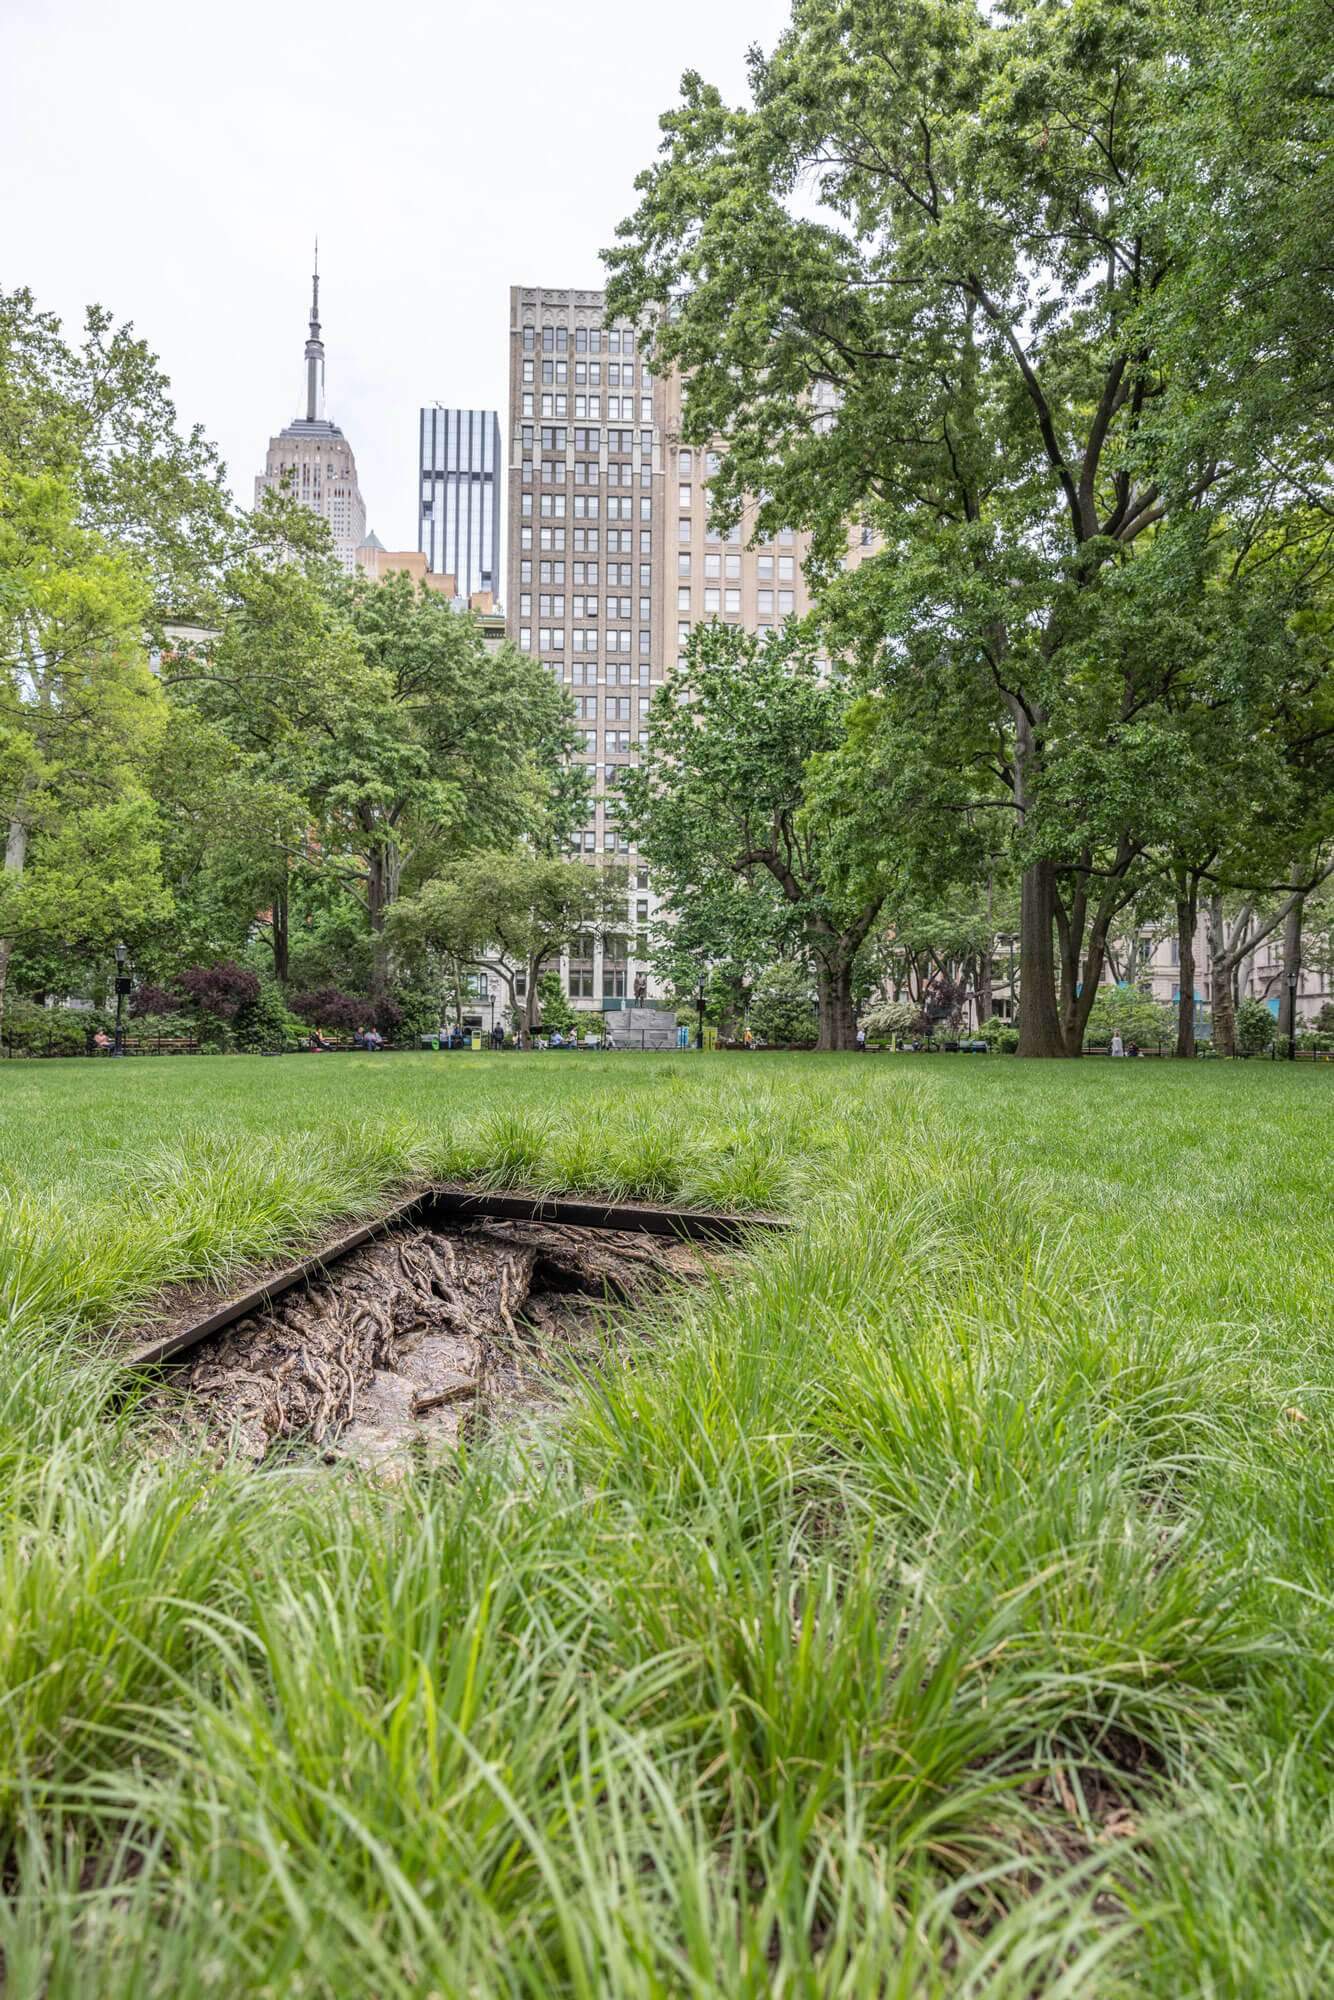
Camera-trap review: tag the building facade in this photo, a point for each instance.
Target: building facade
(313, 461)
(612, 561)
(458, 496)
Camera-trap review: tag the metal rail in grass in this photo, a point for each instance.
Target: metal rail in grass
(448, 1207)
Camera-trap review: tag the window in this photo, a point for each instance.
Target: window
(732, 567)
(786, 602)
(732, 603)
(641, 910)
(683, 497)
(764, 568)
(645, 541)
(764, 603)
(683, 598)
(529, 336)
(525, 538)
(685, 464)
(527, 371)
(787, 569)
(683, 530)
(712, 600)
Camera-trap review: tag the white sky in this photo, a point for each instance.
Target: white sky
(173, 159)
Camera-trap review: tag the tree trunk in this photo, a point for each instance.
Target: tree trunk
(530, 997)
(838, 1026)
(985, 964)
(383, 867)
(279, 939)
(1188, 909)
(1039, 1021)
(1220, 982)
(1292, 963)
(16, 853)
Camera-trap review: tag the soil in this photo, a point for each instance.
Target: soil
(415, 1337)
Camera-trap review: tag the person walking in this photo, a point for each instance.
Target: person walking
(1118, 1046)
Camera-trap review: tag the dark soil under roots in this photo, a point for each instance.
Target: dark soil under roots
(415, 1336)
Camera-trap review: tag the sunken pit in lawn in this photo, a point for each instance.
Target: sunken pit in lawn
(391, 1353)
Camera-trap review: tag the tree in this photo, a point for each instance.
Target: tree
(98, 417)
(511, 912)
(966, 349)
(440, 748)
(720, 790)
(80, 713)
(782, 1009)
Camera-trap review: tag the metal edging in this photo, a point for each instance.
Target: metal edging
(454, 1205)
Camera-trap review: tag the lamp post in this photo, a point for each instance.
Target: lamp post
(1292, 1015)
(699, 1003)
(122, 988)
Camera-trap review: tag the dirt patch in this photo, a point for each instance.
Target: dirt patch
(414, 1336)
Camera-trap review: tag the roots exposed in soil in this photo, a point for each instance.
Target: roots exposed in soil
(413, 1336)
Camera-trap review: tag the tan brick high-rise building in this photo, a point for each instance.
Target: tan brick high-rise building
(611, 561)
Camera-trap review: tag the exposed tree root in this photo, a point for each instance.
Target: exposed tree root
(411, 1337)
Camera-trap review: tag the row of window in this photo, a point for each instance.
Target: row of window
(552, 605)
(620, 374)
(620, 541)
(554, 572)
(615, 707)
(616, 743)
(583, 639)
(619, 409)
(730, 567)
(587, 339)
(586, 507)
(587, 472)
(585, 673)
(718, 598)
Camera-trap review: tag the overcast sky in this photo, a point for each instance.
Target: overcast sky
(173, 160)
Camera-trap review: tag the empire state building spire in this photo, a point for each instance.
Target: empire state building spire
(314, 347)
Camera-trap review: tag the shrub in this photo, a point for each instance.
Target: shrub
(1131, 1013)
(554, 1011)
(265, 1022)
(156, 1000)
(782, 1007)
(891, 1017)
(1001, 1036)
(57, 1031)
(219, 990)
(328, 1007)
(1324, 1020)
(1255, 1028)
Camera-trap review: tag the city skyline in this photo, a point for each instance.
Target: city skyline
(299, 135)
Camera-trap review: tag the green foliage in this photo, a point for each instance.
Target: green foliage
(1000, 1036)
(554, 1012)
(871, 1502)
(719, 796)
(266, 1022)
(1255, 1028)
(782, 1007)
(50, 1030)
(1083, 630)
(1134, 1015)
(512, 912)
(890, 1017)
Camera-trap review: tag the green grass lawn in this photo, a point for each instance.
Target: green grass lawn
(940, 1604)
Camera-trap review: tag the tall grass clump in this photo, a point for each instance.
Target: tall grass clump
(935, 1601)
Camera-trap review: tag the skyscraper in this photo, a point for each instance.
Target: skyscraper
(613, 560)
(313, 460)
(458, 523)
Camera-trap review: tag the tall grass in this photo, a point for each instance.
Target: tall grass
(937, 1603)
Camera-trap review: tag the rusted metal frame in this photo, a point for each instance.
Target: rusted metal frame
(446, 1206)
